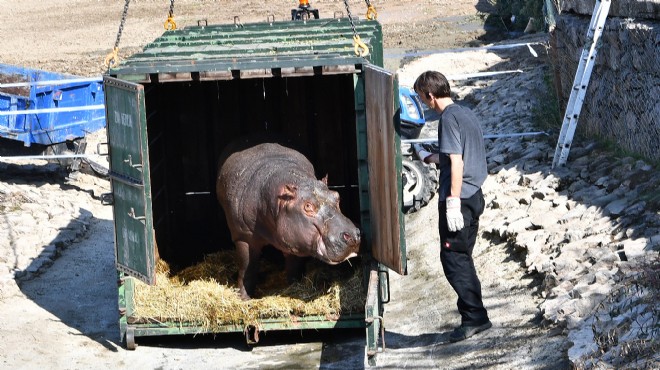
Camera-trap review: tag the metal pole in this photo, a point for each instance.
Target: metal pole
(54, 156)
(51, 82)
(52, 110)
(491, 136)
(456, 50)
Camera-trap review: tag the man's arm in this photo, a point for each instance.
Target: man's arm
(456, 175)
(454, 216)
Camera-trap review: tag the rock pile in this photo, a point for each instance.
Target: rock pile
(42, 211)
(590, 228)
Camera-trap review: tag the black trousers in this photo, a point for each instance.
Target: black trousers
(456, 257)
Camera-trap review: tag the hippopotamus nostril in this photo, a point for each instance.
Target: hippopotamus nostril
(351, 238)
(347, 237)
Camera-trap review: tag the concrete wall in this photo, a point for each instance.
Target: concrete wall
(622, 103)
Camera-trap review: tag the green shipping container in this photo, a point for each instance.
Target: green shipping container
(172, 108)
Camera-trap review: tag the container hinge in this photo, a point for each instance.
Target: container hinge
(125, 179)
(370, 321)
(107, 199)
(98, 149)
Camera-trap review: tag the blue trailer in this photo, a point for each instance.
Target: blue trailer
(47, 108)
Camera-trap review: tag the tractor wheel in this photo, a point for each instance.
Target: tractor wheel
(420, 183)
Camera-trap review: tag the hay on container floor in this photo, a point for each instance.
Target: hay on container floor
(205, 295)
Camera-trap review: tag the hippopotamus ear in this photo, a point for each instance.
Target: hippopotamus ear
(287, 192)
(325, 179)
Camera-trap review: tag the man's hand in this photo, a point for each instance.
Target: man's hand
(454, 215)
(420, 152)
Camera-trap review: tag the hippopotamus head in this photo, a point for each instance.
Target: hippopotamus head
(310, 223)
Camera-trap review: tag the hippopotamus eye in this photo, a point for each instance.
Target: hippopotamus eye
(310, 208)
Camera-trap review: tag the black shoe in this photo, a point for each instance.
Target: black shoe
(465, 331)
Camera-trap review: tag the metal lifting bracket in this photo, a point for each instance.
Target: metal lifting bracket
(582, 76)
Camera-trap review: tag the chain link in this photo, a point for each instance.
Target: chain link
(361, 48)
(121, 24)
(112, 58)
(172, 8)
(350, 18)
(170, 24)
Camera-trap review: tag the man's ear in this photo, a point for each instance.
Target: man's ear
(325, 179)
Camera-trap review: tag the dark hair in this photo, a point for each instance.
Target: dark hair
(432, 82)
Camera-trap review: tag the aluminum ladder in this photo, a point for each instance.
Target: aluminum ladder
(582, 76)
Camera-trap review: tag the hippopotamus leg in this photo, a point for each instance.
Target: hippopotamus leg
(248, 268)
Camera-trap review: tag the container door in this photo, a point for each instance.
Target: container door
(384, 158)
(129, 174)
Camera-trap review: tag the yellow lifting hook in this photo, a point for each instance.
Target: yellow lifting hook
(112, 58)
(170, 24)
(361, 49)
(371, 13)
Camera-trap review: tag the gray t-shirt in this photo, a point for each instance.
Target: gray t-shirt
(459, 132)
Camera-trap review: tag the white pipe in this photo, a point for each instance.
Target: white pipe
(52, 82)
(456, 50)
(466, 76)
(491, 136)
(52, 110)
(54, 156)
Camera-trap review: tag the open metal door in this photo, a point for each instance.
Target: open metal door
(129, 173)
(384, 148)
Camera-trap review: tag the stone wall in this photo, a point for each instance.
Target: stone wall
(622, 103)
(647, 9)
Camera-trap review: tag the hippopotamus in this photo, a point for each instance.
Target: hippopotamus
(271, 196)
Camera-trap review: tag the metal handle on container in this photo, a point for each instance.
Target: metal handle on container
(129, 160)
(370, 320)
(132, 215)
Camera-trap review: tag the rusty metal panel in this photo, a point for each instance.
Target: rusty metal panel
(383, 147)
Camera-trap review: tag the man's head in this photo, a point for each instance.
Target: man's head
(434, 83)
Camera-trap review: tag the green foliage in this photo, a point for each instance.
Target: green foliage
(523, 10)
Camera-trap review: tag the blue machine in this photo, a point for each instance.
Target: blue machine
(62, 111)
(412, 114)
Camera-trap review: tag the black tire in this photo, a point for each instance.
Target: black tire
(98, 169)
(420, 183)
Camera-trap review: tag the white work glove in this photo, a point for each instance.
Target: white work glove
(454, 215)
(420, 152)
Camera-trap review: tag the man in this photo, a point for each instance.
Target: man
(462, 164)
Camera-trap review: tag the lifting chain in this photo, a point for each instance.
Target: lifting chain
(170, 24)
(361, 49)
(113, 58)
(371, 11)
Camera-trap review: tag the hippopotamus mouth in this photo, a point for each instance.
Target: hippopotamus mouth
(322, 253)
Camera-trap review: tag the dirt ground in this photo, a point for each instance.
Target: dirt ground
(75, 36)
(67, 317)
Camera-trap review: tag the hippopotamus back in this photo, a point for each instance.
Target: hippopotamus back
(270, 196)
